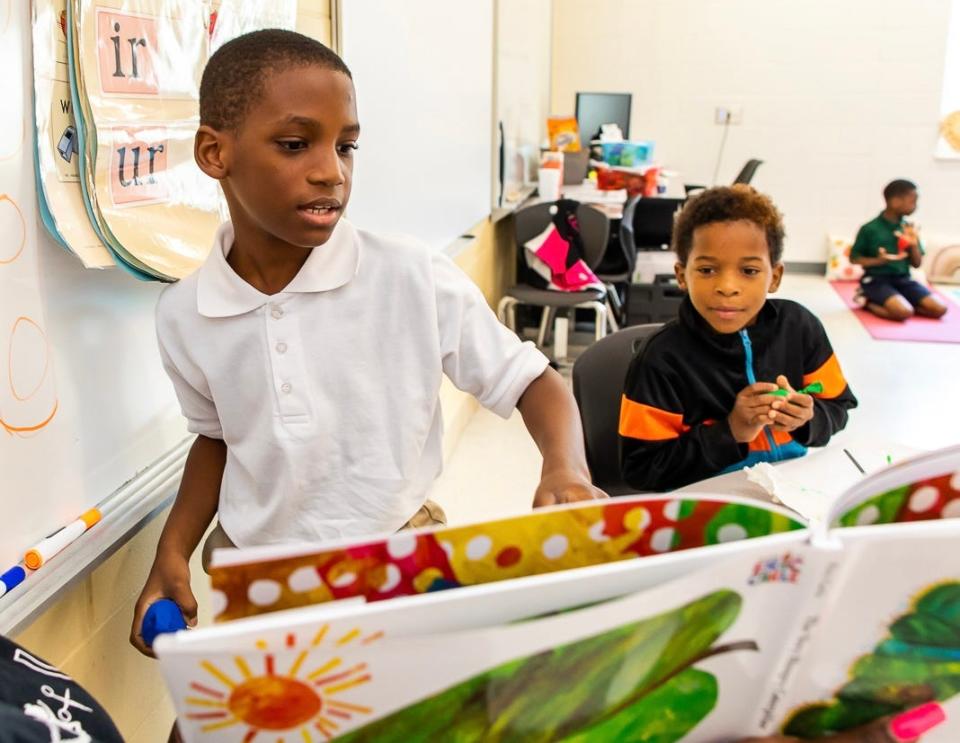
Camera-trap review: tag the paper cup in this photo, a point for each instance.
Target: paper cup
(549, 183)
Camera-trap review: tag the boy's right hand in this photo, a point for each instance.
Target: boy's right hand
(169, 578)
(751, 411)
(886, 257)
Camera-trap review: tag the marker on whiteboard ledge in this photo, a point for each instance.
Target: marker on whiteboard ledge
(12, 578)
(162, 616)
(50, 546)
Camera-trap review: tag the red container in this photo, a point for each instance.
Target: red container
(612, 179)
(609, 179)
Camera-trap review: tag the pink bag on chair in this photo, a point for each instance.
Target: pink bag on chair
(548, 254)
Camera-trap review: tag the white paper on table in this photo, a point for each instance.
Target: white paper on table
(809, 485)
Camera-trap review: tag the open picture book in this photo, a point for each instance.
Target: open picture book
(739, 619)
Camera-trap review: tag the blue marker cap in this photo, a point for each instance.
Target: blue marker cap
(12, 578)
(162, 616)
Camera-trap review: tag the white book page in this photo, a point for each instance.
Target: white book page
(885, 571)
(812, 484)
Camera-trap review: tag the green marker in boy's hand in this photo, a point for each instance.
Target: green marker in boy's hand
(811, 389)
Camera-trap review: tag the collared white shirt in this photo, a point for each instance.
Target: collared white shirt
(326, 393)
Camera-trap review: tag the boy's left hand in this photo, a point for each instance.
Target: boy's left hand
(564, 486)
(791, 412)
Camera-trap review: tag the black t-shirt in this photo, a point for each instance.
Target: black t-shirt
(40, 703)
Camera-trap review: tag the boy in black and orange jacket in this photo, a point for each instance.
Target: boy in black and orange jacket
(699, 396)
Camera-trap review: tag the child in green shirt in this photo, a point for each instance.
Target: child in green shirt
(887, 247)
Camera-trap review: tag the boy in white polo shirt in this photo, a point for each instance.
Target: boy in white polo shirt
(307, 354)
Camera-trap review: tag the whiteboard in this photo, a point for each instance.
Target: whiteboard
(523, 69)
(523, 44)
(423, 71)
(83, 396)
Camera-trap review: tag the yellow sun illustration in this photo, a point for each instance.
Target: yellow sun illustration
(298, 701)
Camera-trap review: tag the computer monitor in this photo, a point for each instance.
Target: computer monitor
(594, 109)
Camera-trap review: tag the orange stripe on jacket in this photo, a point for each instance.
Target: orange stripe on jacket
(830, 376)
(639, 421)
(760, 443)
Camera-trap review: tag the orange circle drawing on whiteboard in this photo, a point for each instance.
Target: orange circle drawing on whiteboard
(15, 352)
(32, 428)
(23, 231)
(27, 427)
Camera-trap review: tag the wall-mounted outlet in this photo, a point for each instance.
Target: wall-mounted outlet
(732, 114)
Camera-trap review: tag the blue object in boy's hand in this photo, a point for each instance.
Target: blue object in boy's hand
(162, 616)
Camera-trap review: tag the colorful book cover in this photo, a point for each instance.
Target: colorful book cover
(256, 581)
(547, 540)
(772, 637)
(921, 488)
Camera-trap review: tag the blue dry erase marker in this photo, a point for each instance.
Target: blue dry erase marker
(162, 616)
(12, 578)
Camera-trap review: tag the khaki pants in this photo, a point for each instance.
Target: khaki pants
(430, 514)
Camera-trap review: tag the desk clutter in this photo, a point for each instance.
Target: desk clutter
(591, 159)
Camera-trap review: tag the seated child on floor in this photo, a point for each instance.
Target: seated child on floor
(887, 247)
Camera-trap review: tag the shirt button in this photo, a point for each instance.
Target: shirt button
(286, 388)
(281, 347)
(276, 312)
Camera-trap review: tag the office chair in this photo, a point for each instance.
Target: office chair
(748, 171)
(598, 377)
(595, 232)
(744, 176)
(619, 262)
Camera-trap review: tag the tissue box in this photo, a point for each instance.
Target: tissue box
(628, 154)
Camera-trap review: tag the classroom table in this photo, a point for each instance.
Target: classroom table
(820, 477)
(610, 203)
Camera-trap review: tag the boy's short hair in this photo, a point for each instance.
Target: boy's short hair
(234, 76)
(899, 187)
(729, 204)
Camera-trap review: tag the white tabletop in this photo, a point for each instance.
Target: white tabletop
(816, 480)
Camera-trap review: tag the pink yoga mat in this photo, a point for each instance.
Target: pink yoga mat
(921, 329)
